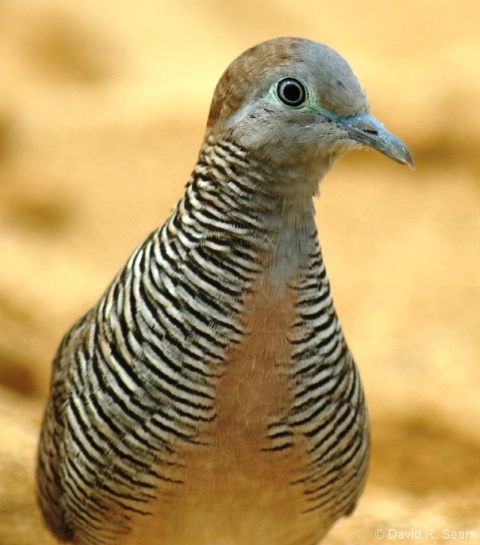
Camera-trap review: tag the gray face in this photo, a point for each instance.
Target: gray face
(299, 103)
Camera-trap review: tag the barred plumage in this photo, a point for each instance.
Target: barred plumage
(209, 397)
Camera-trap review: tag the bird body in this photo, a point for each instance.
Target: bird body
(209, 397)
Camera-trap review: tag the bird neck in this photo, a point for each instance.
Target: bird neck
(257, 207)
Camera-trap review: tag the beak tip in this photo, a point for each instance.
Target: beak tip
(407, 159)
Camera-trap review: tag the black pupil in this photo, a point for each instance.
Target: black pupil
(291, 92)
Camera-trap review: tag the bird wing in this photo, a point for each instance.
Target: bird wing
(50, 488)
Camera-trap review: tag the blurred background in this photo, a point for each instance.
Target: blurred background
(102, 111)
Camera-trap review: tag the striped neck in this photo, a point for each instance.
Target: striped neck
(237, 197)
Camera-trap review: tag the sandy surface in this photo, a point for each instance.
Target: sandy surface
(102, 110)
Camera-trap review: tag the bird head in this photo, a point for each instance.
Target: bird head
(297, 105)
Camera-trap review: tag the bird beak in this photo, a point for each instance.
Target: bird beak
(367, 130)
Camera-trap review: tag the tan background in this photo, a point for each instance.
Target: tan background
(102, 109)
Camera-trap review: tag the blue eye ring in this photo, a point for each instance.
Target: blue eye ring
(291, 92)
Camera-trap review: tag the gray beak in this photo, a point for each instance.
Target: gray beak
(367, 130)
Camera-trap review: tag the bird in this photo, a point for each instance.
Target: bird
(209, 397)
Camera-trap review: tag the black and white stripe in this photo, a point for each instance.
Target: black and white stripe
(135, 378)
(329, 411)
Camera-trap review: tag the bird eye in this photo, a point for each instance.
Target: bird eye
(291, 92)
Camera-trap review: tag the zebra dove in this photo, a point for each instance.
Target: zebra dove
(209, 397)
